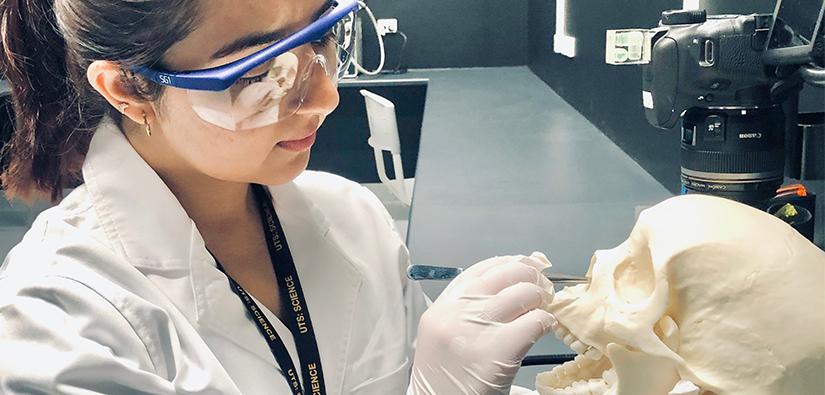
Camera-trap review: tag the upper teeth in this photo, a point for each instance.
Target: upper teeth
(593, 353)
(575, 344)
(578, 347)
(560, 331)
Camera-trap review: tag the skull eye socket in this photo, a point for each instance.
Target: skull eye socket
(633, 279)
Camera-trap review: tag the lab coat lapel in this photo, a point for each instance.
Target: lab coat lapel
(329, 276)
(220, 312)
(141, 217)
(146, 223)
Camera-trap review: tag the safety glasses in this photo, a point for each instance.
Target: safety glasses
(270, 85)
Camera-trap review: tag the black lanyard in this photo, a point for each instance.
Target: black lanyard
(291, 292)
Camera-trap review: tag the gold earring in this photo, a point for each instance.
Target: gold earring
(148, 127)
(123, 107)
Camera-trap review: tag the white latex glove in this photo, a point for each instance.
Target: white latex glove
(474, 336)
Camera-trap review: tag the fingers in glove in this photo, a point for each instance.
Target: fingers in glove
(540, 262)
(479, 269)
(527, 330)
(472, 273)
(503, 276)
(537, 260)
(514, 301)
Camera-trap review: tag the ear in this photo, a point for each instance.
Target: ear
(107, 79)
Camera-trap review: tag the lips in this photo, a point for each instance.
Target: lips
(300, 144)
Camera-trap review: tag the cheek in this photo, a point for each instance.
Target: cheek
(208, 148)
(178, 115)
(224, 155)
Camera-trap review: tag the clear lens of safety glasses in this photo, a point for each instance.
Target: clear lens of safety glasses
(276, 90)
(344, 33)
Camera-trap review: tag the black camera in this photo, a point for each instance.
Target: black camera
(733, 81)
(709, 73)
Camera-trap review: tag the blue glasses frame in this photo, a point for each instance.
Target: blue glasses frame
(222, 77)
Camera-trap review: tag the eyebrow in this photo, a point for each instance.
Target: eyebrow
(261, 38)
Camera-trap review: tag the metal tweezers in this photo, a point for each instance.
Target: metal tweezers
(426, 272)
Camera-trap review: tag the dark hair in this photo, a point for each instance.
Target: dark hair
(47, 47)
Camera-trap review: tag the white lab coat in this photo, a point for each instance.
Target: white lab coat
(113, 291)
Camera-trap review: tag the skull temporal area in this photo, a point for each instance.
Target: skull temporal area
(706, 290)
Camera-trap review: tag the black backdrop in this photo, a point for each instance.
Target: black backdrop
(454, 33)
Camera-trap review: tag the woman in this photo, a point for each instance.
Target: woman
(197, 256)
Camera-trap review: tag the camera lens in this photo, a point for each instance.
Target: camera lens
(736, 153)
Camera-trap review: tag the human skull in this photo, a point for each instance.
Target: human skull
(705, 290)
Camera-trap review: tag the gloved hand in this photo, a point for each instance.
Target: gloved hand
(474, 336)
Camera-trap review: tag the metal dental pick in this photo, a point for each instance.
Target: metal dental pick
(427, 272)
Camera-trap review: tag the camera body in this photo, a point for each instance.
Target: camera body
(704, 62)
(708, 73)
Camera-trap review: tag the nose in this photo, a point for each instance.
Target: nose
(322, 93)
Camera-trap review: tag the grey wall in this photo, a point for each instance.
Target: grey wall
(609, 96)
(455, 33)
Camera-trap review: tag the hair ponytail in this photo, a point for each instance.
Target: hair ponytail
(52, 124)
(47, 46)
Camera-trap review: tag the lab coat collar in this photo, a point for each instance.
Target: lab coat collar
(143, 220)
(146, 224)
